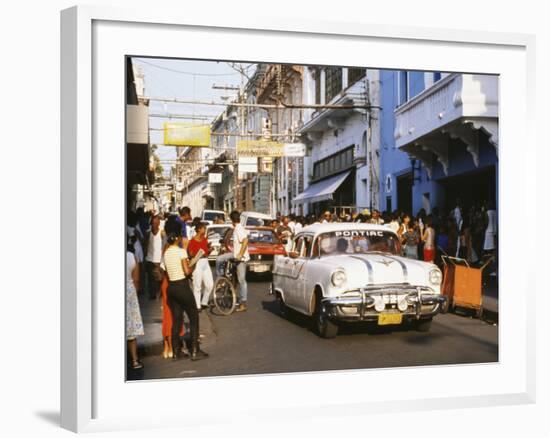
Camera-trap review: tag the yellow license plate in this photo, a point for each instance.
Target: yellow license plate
(390, 318)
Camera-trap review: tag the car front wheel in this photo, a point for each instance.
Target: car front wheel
(323, 325)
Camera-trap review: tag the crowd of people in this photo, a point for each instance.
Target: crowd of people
(468, 234)
(167, 258)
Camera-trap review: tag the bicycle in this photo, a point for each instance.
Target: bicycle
(225, 289)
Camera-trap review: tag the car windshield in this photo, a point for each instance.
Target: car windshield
(213, 215)
(356, 242)
(257, 222)
(262, 236)
(216, 233)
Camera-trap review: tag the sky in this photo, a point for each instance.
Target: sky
(185, 79)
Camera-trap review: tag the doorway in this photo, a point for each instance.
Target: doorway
(472, 188)
(404, 193)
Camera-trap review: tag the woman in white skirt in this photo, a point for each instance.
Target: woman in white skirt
(134, 322)
(202, 276)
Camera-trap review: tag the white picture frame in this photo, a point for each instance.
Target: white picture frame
(92, 396)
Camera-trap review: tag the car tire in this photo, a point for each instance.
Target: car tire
(423, 325)
(324, 327)
(282, 307)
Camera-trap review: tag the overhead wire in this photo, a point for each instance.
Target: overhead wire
(188, 72)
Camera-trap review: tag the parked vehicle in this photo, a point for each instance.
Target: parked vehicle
(255, 219)
(211, 215)
(355, 272)
(263, 246)
(214, 234)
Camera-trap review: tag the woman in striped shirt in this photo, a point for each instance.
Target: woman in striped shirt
(180, 295)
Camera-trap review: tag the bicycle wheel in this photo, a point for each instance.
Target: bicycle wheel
(225, 296)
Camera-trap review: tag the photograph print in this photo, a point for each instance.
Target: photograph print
(287, 218)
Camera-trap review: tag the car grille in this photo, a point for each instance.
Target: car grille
(261, 257)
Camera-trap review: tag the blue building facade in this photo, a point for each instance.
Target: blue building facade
(438, 141)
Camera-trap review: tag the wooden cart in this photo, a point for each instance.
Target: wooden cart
(462, 284)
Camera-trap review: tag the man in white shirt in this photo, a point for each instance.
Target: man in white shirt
(152, 258)
(292, 222)
(298, 226)
(376, 219)
(240, 254)
(457, 213)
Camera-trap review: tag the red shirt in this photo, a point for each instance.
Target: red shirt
(195, 245)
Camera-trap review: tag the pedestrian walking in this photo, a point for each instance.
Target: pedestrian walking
(394, 223)
(284, 232)
(489, 243)
(404, 226)
(134, 322)
(167, 320)
(465, 249)
(180, 296)
(153, 257)
(184, 216)
(411, 239)
(428, 237)
(375, 218)
(240, 255)
(202, 275)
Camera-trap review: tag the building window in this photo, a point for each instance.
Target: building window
(403, 87)
(333, 82)
(317, 78)
(437, 76)
(334, 164)
(354, 74)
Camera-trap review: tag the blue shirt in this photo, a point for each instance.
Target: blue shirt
(183, 227)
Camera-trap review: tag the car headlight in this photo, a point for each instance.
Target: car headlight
(338, 278)
(435, 276)
(379, 303)
(402, 305)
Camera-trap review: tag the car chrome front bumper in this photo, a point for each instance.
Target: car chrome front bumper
(359, 305)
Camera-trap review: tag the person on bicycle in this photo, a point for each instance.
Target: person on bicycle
(240, 255)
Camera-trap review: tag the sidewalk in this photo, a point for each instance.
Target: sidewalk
(152, 342)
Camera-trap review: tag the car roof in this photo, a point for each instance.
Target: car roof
(255, 214)
(342, 226)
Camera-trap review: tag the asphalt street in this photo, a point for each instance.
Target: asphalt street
(260, 340)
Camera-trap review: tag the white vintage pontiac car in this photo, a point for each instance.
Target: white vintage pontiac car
(354, 272)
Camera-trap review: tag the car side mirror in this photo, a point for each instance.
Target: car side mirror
(293, 255)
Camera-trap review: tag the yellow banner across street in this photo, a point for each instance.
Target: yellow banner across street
(260, 148)
(186, 134)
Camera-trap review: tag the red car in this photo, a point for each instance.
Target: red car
(263, 246)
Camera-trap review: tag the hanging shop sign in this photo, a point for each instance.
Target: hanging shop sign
(186, 134)
(214, 178)
(266, 165)
(248, 165)
(294, 150)
(265, 148)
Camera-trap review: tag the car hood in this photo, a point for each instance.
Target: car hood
(378, 268)
(263, 248)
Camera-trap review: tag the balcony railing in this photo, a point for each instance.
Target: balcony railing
(472, 98)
